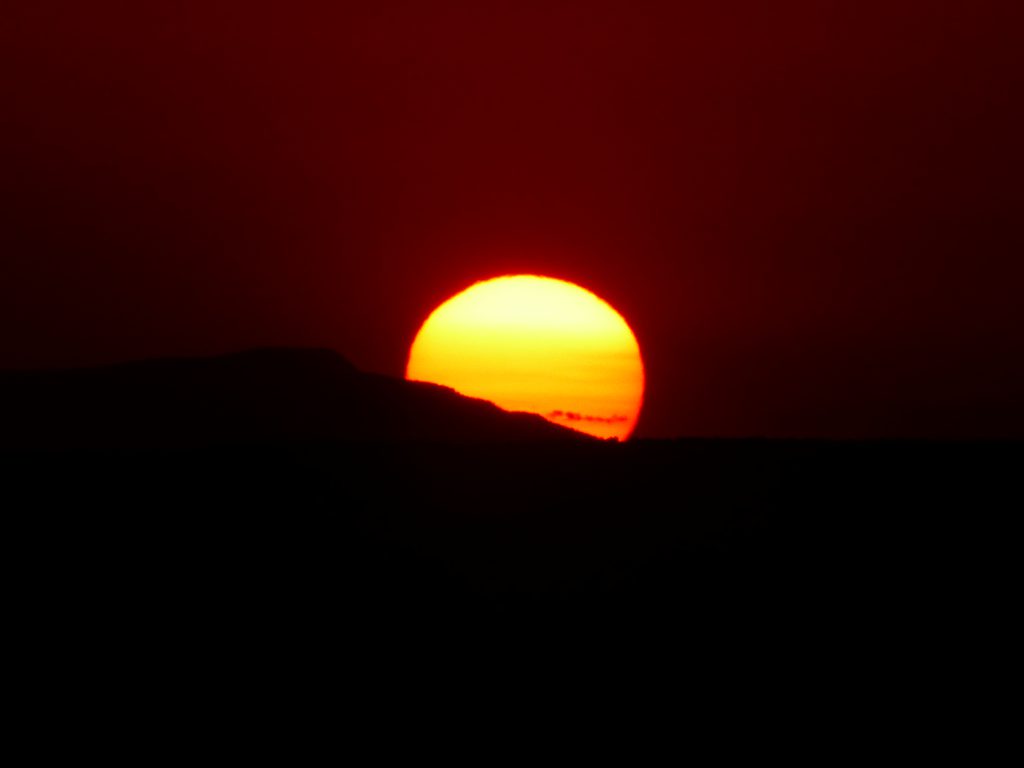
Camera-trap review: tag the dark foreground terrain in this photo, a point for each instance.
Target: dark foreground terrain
(659, 525)
(301, 546)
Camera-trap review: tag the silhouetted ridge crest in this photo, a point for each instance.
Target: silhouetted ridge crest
(258, 395)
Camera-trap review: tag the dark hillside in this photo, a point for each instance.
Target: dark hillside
(258, 396)
(249, 509)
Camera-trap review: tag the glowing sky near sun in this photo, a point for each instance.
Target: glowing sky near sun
(536, 344)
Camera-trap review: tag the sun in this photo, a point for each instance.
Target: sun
(536, 344)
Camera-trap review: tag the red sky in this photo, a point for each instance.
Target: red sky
(810, 212)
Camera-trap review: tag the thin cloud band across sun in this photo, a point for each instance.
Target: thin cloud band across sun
(536, 344)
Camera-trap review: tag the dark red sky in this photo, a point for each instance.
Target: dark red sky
(810, 212)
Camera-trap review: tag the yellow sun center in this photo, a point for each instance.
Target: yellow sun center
(536, 344)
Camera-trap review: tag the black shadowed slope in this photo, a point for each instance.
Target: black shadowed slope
(288, 506)
(259, 396)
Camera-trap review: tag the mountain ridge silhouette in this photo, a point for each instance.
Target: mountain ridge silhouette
(204, 519)
(258, 395)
